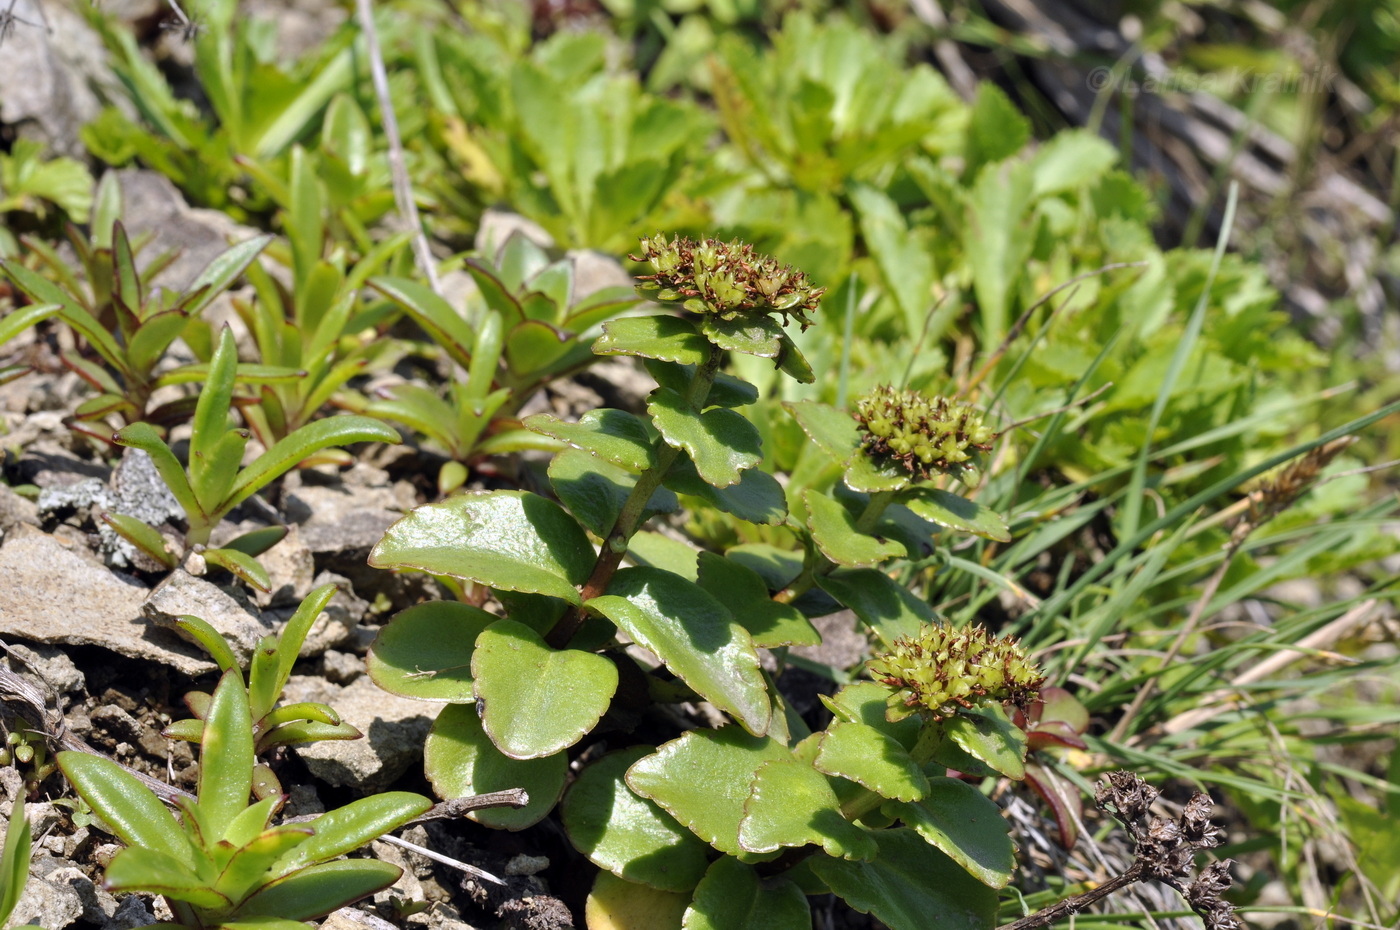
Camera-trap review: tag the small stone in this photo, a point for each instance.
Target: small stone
(182, 593)
(50, 664)
(290, 569)
(394, 729)
(52, 905)
(352, 918)
(15, 510)
(338, 519)
(98, 905)
(341, 667)
(526, 865)
(132, 912)
(117, 722)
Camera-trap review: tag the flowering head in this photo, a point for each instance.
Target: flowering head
(942, 671)
(725, 279)
(921, 435)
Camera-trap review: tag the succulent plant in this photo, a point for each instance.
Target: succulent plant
(942, 671)
(923, 435)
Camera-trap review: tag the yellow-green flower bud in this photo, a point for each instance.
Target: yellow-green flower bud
(942, 671)
(726, 279)
(918, 434)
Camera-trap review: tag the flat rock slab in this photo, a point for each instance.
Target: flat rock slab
(52, 594)
(394, 729)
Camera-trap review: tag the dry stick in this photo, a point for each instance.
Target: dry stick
(1073, 905)
(403, 190)
(1320, 639)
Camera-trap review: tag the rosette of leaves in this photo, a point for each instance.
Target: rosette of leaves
(223, 863)
(271, 665)
(527, 327)
(817, 811)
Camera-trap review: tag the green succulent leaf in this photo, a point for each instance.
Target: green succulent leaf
(702, 779)
(887, 607)
(134, 813)
(873, 759)
(966, 826)
(665, 338)
(989, 736)
(226, 756)
(864, 475)
(460, 760)
(749, 334)
(19, 852)
(143, 537)
(834, 431)
(725, 391)
(241, 565)
(793, 363)
(143, 436)
(256, 542)
(720, 442)
(435, 315)
(630, 836)
(742, 591)
(347, 828)
(512, 540)
(792, 804)
(731, 896)
(956, 513)
(864, 702)
(757, 497)
(425, 652)
(533, 347)
(909, 882)
(614, 436)
(221, 272)
(835, 533)
(535, 701)
(17, 321)
(247, 869)
(210, 423)
(697, 638)
(294, 632)
(291, 450)
(595, 491)
(137, 868)
(319, 889)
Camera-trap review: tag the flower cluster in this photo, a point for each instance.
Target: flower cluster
(922, 435)
(942, 671)
(1166, 848)
(725, 279)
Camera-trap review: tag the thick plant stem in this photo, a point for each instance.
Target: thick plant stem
(629, 519)
(1049, 915)
(818, 565)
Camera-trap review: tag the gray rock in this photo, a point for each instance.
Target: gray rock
(497, 226)
(137, 491)
(52, 595)
(394, 729)
(594, 271)
(341, 667)
(290, 569)
(51, 73)
(50, 664)
(50, 904)
(83, 497)
(352, 918)
(843, 642)
(98, 905)
(49, 465)
(15, 510)
(182, 593)
(132, 912)
(338, 519)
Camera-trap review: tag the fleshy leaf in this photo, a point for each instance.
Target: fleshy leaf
(793, 363)
(749, 334)
(743, 592)
(908, 884)
(629, 835)
(966, 826)
(289, 451)
(864, 475)
(726, 391)
(425, 652)
(594, 490)
(460, 759)
(884, 605)
(720, 442)
(613, 435)
(864, 702)
(792, 804)
(617, 904)
(988, 735)
(702, 779)
(697, 638)
(957, 513)
(504, 539)
(757, 497)
(667, 338)
(873, 759)
(834, 531)
(534, 700)
(731, 896)
(835, 431)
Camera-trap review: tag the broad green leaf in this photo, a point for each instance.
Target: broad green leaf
(873, 759)
(997, 238)
(751, 335)
(614, 436)
(995, 130)
(533, 347)
(226, 756)
(731, 896)
(347, 828)
(629, 835)
(425, 652)
(702, 779)
(697, 638)
(1069, 159)
(884, 605)
(989, 736)
(726, 391)
(319, 889)
(617, 904)
(595, 491)
(720, 442)
(535, 701)
(757, 497)
(908, 884)
(431, 312)
(143, 537)
(743, 592)
(657, 550)
(504, 539)
(904, 261)
(863, 474)
(134, 813)
(864, 702)
(833, 430)
(246, 870)
(291, 450)
(792, 804)
(137, 868)
(241, 565)
(666, 338)
(460, 760)
(957, 513)
(967, 826)
(834, 531)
